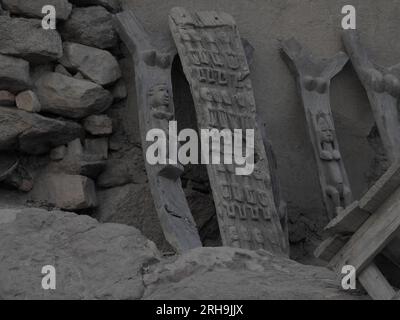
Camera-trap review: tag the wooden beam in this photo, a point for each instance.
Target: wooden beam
(313, 81)
(348, 221)
(372, 237)
(153, 62)
(382, 189)
(330, 247)
(383, 90)
(374, 282)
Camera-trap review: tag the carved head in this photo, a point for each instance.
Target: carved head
(233, 233)
(258, 236)
(325, 129)
(159, 96)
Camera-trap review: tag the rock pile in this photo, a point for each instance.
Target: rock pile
(56, 88)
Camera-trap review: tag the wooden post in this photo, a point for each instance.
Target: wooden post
(156, 109)
(383, 89)
(313, 78)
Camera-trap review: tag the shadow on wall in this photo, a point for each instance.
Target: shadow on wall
(195, 179)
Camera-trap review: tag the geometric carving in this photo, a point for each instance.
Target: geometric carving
(314, 77)
(155, 110)
(223, 97)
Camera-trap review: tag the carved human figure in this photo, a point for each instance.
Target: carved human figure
(159, 100)
(258, 238)
(329, 153)
(234, 236)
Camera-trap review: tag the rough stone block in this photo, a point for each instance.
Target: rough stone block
(25, 38)
(7, 99)
(69, 97)
(97, 65)
(33, 8)
(91, 26)
(68, 192)
(98, 125)
(14, 73)
(97, 147)
(28, 101)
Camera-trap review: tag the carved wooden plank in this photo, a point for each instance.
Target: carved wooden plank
(348, 221)
(215, 65)
(330, 247)
(382, 189)
(372, 237)
(314, 78)
(156, 109)
(376, 284)
(383, 89)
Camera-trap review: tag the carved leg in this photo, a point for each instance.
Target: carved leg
(347, 196)
(334, 195)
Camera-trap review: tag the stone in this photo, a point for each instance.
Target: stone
(119, 91)
(97, 147)
(7, 99)
(78, 161)
(111, 5)
(33, 133)
(79, 75)
(97, 65)
(14, 74)
(64, 191)
(38, 71)
(90, 26)
(132, 205)
(8, 164)
(314, 79)
(33, 9)
(92, 260)
(114, 261)
(98, 125)
(28, 101)
(71, 98)
(58, 153)
(119, 172)
(25, 38)
(236, 274)
(61, 69)
(19, 179)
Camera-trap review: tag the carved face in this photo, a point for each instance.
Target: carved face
(258, 236)
(325, 130)
(159, 96)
